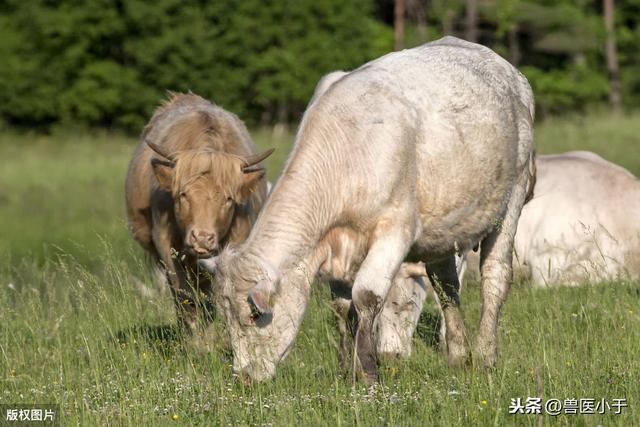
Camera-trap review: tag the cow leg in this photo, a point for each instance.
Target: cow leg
(176, 276)
(370, 291)
(496, 270)
(444, 279)
(140, 228)
(205, 301)
(461, 268)
(345, 316)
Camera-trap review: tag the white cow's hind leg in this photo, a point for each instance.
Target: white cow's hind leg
(444, 279)
(461, 269)
(496, 270)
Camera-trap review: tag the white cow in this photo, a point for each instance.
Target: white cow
(421, 154)
(583, 224)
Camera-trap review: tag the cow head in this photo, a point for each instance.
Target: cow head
(207, 187)
(262, 323)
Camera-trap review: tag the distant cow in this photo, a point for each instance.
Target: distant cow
(582, 224)
(194, 184)
(421, 153)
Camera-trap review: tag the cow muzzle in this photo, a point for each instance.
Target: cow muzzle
(254, 373)
(202, 243)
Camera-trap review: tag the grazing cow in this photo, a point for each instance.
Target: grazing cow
(421, 153)
(401, 312)
(194, 184)
(581, 225)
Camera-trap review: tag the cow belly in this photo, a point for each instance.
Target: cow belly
(466, 171)
(457, 216)
(442, 236)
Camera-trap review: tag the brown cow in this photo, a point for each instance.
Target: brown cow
(194, 184)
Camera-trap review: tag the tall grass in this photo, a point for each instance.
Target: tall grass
(75, 330)
(109, 356)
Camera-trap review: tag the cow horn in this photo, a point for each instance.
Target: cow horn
(256, 158)
(159, 150)
(251, 169)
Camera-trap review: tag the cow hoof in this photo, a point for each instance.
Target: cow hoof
(387, 356)
(458, 355)
(370, 379)
(486, 356)
(486, 361)
(459, 360)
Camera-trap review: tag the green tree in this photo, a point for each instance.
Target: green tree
(109, 62)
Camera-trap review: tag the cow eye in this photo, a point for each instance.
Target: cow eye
(255, 315)
(183, 194)
(229, 200)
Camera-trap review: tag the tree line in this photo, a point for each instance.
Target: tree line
(107, 63)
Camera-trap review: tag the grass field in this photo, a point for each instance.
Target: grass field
(76, 332)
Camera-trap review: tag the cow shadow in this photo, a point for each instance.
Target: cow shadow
(172, 339)
(167, 338)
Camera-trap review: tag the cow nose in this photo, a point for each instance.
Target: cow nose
(203, 242)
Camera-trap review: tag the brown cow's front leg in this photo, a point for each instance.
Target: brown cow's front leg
(177, 278)
(186, 310)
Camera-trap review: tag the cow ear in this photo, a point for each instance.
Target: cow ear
(250, 181)
(163, 171)
(260, 298)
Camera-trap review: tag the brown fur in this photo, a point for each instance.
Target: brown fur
(198, 200)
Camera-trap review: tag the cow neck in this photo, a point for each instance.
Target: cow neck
(298, 212)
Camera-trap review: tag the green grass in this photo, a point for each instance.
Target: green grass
(75, 331)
